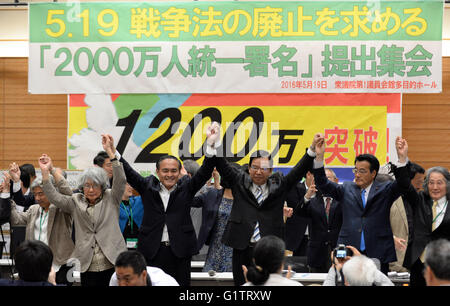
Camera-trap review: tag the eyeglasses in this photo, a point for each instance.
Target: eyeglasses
(89, 186)
(256, 168)
(360, 171)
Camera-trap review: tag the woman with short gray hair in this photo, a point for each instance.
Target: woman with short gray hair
(431, 219)
(98, 239)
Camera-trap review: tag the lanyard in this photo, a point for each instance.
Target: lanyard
(440, 213)
(41, 222)
(130, 215)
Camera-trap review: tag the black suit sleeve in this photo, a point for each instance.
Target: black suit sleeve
(203, 174)
(23, 200)
(5, 211)
(299, 171)
(133, 177)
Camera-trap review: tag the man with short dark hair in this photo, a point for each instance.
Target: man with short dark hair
(132, 270)
(33, 261)
(102, 160)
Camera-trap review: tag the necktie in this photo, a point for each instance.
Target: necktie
(327, 207)
(259, 198)
(433, 227)
(363, 198)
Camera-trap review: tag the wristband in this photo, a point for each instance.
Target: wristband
(113, 159)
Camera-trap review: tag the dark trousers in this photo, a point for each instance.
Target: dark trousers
(241, 257)
(178, 268)
(416, 278)
(303, 246)
(96, 279)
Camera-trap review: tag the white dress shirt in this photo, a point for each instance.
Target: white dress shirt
(164, 193)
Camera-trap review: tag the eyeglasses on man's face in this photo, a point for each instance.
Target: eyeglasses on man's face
(360, 171)
(256, 168)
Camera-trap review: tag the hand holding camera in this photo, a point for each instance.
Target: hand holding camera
(342, 253)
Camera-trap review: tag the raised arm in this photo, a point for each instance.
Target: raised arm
(204, 173)
(64, 202)
(303, 166)
(119, 178)
(322, 182)
(401, 172)
(133, 177)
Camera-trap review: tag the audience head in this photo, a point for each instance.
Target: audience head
(131, 269)
(366, 169)
(27, 175)
(128, 192)
(268, 256)
(33, 261)
(437, 263)
(102, 160)
(359, 271)
(191, 167)
(168, 169)
(417, 176)
(437, 182)
(93, 181)
(331, 175)
(309, 178)
(260, 167)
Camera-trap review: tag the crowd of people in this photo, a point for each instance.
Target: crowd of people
(120, 228)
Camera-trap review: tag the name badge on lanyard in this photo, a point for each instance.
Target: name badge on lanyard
(132, 243)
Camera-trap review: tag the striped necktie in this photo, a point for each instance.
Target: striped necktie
(259, 198)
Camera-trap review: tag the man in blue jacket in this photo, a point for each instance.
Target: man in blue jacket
(366, 203)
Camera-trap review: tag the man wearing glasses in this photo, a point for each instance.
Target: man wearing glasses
(259, 197)
(366, 203)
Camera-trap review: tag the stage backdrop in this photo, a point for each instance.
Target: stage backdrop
(236, 47)
(148, 126)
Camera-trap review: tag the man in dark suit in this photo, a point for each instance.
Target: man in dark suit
(296, 239)
(366, 203)
(431, 219)
(167, 237)
(326, 220)
(259, 198)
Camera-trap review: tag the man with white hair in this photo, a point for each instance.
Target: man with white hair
(355, 270)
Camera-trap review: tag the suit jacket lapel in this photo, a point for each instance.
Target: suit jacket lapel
(51, 219)
(357, 193)
(247, 186)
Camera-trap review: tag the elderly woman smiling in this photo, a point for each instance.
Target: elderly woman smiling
(98, 239)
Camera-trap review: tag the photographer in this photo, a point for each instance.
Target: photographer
(350, 268)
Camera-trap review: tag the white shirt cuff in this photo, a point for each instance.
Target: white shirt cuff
(318, 164)
(399, 164)
(16, 186)
(311, 152)
(5, 195)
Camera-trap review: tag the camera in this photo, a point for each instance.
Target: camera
(342, 251)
